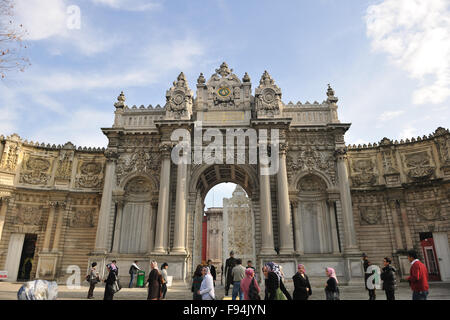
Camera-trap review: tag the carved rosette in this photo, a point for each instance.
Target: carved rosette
(268, 98)
(428, 211)
(179, 99)
(83, 218)
(28, 215)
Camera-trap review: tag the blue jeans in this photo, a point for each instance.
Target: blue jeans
(420, 295)
(131, 281)
(237, 290)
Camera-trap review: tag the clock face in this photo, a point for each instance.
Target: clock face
(224, 92)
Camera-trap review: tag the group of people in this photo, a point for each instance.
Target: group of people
(157, 280)
(418, 277)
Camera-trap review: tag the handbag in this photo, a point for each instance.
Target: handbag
(252, 292)
(279, 295)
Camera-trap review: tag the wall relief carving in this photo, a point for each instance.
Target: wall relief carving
(267, 97)
(11, 155)
(179, 99)
(370, 215)
(83, 218)
(90, 175)
(141, 161)
(363, 172)
(64, 170)
(35, 171)
(308, 160)
(138, 185)
(428, 212)
(419, 165)
(312, 183)
(28, 215)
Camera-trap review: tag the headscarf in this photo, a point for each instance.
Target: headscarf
(208, 271)
(249, 272)
(111, 266)
(273, 267)
(301, 266)
(332, 273)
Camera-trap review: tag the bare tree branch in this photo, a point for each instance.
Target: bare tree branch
(11, 41)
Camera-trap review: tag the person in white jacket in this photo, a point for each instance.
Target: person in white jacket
(207, 286)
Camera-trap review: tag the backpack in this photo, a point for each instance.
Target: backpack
(252, 292)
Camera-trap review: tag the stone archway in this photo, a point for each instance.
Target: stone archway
(203, 179)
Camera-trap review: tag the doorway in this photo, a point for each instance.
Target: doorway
(429, 253)
(26, 259)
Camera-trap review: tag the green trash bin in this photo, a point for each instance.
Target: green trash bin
(140, 279)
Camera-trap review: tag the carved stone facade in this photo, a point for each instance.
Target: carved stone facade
(326, 204)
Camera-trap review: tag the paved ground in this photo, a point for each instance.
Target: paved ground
(181, 291)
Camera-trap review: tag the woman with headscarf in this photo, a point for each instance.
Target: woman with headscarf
(331, 288)
(275, 289)
(207, 286)
(302, 287)
(248, 281)
(109, 282)
(154, 282)
(197, 282)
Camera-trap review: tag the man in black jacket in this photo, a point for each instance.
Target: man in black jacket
(230, 263)
(388, 277)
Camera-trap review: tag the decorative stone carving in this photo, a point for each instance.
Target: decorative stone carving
(83, 218)
(138, 185)
(370, 215)
(90, 175)
(141, 161)
(64, 170)
(35, 171)
(179, 99)
(268, 98)
(428, 211)
(9, 161)
(312, 183)
(418, 165)
(28, 216)
(224, 88)
(120, 104)
(364, 173)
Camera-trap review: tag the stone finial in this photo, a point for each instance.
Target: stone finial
(331, 97)
(201, 79)
(224, 71)
(266, 79)
(120, 101)
(440, 131)
(246, 78)
(385, 142)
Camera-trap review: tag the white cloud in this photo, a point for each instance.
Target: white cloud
(389, 115)
(416, 36)
(408, 132)
(130, 5)
(49, 19)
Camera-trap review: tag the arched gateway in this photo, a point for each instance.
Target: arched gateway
(152, 205)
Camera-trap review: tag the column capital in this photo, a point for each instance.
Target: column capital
(165, 148)
(111, 155)
(294, 203)
(341, 153)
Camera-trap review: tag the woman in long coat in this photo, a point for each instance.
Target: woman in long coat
(302, 287)
(197, 282)
(274, 282)
(207, 286)
(331, 287)
(109, 293)
(154, 283)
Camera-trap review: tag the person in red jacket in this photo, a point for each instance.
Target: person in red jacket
(418, 277)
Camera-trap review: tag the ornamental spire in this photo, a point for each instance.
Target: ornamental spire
(120, 101)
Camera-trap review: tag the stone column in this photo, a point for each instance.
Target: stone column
(346, 201)
(101, 238)
(151, 227)
(333, 225)
(2, 148)
(398, 234)
(180, 211)
(298, 229)
(120, 203)
(3, 206)
(48, 230)
(406, 229)
(286, 242)
(163, 204)
(59, 223)
(267, 246)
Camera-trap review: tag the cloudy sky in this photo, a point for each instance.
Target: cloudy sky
(388, 60)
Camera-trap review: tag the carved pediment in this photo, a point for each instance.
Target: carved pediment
(268, 98)
(179, 99)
